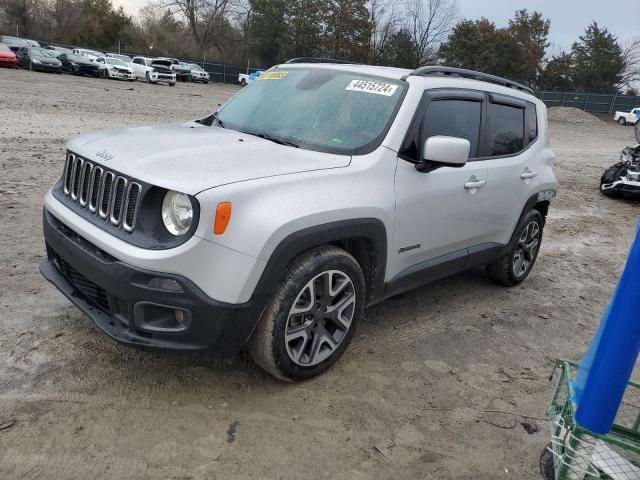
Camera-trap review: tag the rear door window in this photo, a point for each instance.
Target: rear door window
(505, 129)
(532, 122)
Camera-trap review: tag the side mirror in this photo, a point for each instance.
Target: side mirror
(442, 151)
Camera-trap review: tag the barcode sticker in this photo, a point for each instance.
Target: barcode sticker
(367, 86)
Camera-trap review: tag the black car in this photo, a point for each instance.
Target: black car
(78, 65)
(38, 59)
(182, 73)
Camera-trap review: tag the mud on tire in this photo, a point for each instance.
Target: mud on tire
(274, 345)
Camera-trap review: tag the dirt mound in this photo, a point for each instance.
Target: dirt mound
(571, 114)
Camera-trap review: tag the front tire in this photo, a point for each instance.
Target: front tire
(147, 77)
(312, 317)
(622, 121)
(515, 266)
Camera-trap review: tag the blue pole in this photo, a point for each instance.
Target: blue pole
(608, 363)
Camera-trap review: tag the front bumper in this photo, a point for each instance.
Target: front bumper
(118, 298)
(43, 67)
(121, 75)
(623, 186)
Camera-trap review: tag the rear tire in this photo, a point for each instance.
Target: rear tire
(515, 266)
(172, 84)
(243, 83)
(622, 121)
(312, 317)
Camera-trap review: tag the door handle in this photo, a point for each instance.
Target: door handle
(475, 184)
(528, 174)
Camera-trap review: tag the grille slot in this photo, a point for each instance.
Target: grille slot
(105, 194)
(119, 191)
(131, 208)
(85, 178)
(96, 176)
(113, 197)
(75, 178)
(68, 170)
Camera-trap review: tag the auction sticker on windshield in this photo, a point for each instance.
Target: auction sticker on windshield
(273, 75)
(379, 88)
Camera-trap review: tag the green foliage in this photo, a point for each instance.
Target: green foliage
(281, 29)
(598, 61)
(400, 50)
(515, 52)
(558, 73)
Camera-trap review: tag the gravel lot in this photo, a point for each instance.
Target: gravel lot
(422, 392)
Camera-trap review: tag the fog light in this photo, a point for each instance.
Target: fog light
(179, 314)
(165, 284)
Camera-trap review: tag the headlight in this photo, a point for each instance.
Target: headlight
(35, 60)
(177, 213)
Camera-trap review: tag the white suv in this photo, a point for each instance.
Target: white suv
(318, 190)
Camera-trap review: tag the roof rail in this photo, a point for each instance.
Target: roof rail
(317, 60)
(463, 73)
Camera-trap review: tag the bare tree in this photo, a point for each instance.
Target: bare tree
(203, 17)
(631, 60)
(429, 23)
(384, 18)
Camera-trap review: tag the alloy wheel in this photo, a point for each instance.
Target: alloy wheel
(320, 318)
(526, 249)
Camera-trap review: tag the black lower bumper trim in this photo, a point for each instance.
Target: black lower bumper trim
(108, 291)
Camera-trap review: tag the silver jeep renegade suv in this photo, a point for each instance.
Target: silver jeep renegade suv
(318, 190)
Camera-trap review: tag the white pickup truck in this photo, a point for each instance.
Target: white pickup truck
(245, 79)
(624, 118)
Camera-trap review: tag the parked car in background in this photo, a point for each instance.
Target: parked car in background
(198, 74)
(57, 51)
(182, 73)
(624, 118)
(39, 59)
(115, 68)
(245, 79)
(78, 65)
(90, 54)
(144, 68)
(124, 58)
(32, 43)
(7, 57)
(14, 43)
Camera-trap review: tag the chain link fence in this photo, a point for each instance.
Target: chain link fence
(589, 102)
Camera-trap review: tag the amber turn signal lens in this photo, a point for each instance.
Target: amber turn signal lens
(223, 215)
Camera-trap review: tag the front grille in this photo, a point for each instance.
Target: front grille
(104, 192)
(94, 293)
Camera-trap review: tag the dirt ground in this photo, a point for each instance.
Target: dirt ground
(433, 386)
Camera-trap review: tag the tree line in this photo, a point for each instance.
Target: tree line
(400, 33)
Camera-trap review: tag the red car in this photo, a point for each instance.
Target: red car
(7, 57)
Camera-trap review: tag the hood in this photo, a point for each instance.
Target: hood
(191, 157)
(48, 60)
(7, 54)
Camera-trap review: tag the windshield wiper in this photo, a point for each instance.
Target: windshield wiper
(278, 140)
(217, 119)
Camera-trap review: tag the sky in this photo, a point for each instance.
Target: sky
(568, 17)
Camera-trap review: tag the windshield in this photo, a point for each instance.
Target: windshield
(75, 58)
(115, 61)
(195, 67)
(317, 109)
(39, 52)
(4, 47)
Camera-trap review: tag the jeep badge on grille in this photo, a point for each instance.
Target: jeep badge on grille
(106, 155)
